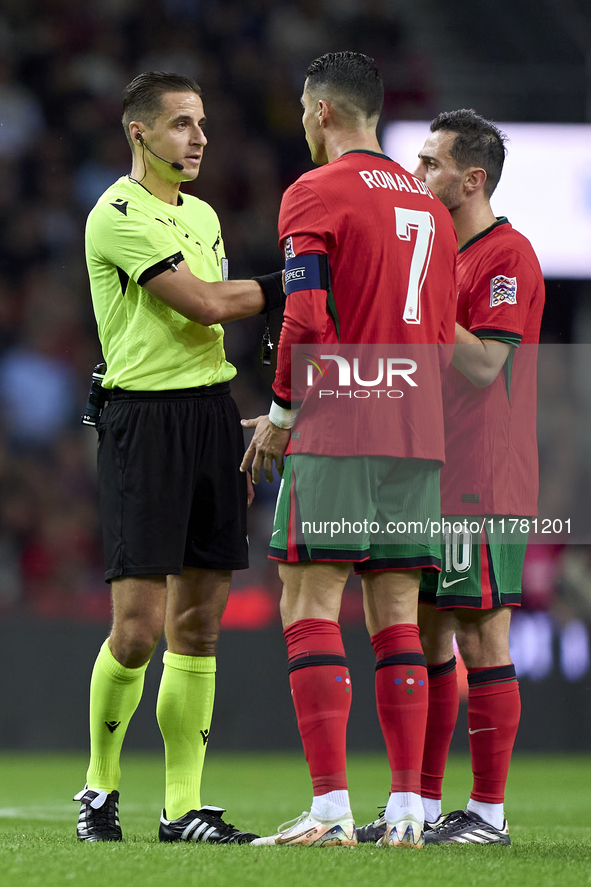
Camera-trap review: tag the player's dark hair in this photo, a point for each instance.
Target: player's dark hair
(351, 77)
(478, 143)
(142, 98)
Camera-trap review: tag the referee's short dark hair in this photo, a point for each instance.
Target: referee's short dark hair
(351, 79)
(478, 143)
(142, 98)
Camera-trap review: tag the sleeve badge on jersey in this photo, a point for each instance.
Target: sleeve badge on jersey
(288, 248)
(503, 289)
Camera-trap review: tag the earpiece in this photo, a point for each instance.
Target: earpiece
(144, 144)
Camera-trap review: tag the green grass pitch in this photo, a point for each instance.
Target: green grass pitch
(548, 806)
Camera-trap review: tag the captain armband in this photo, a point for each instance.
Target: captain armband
(307, 272)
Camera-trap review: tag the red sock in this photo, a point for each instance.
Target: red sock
(444, 702)
(494, 707)
(321, 691)
(402, 699)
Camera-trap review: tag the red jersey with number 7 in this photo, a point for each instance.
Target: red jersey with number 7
(391, 249)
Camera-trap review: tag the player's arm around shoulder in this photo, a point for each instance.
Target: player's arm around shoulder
(480, 360)
(500, 302)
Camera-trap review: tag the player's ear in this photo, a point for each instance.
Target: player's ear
(135, 131)
(323, 111)
(474, 179)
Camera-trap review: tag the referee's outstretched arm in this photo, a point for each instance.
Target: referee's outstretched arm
(203, 302)
(217, 302)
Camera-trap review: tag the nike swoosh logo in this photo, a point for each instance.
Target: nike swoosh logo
(480, 730)
(446, 584)
(275, 533)
(294, 837)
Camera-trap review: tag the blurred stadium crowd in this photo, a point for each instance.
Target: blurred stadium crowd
(63, 65)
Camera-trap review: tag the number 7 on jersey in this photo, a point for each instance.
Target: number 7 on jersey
(408, 220)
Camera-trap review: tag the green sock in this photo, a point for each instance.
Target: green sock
(115, 692)
(184, 710)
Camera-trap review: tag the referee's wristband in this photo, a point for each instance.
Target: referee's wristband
(272, 287)
(281, 417)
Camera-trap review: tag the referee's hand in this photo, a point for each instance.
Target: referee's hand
(268, 445)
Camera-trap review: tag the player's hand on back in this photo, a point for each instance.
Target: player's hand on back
(268, 445)
(249, 490)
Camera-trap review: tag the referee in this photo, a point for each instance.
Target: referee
(172, 499)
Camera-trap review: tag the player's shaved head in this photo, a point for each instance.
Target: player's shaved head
(142, 98)
(478, 142)
(350, 80)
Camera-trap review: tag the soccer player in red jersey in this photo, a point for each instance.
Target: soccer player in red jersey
(490, 478)
(370, 262)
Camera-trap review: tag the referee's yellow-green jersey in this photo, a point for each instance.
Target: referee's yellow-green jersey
(148, 346)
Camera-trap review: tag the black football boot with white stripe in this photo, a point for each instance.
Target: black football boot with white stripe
(99, 815)
(205, 825)
(465, 827)
(375, 831)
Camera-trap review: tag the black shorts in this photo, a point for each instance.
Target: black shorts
(170, 491)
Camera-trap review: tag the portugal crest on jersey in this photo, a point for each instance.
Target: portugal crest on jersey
(503, 289)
